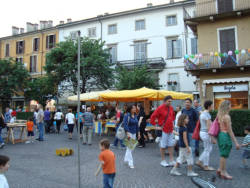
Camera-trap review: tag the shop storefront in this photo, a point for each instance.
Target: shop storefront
(235, 90)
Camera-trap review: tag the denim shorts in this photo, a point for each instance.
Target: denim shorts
(167, 140)
(246, 154)
(30, 133)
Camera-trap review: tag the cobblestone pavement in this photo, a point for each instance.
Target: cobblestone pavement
(36, 166)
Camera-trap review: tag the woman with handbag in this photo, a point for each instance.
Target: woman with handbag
(225, 138)
(131, 128)
(205, 123)
(2, 125)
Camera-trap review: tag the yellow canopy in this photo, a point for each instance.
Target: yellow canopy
(91, 96)
(141, 94)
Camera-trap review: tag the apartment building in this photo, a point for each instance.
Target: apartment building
(153, 35)
(222, 67)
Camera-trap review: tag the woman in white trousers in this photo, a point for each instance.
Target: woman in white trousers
(131, 128)
(205, 121)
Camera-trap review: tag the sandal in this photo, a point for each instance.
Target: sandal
(209, 168)
(226, 177)
(199, 165)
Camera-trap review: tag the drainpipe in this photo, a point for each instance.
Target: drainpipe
(185, 32)
(42, 54)
(100, 21)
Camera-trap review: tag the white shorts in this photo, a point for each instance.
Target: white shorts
(167, 140)
(185, 156)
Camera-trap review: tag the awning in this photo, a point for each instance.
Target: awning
(228, 80)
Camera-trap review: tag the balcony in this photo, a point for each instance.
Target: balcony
(213, 61)
(211, 9)
(157, 63)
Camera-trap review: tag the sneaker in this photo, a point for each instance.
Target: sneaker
(131, 166)
(192, 174)
(2, 145)
(175, 172)
(172, 163)
(164, 163)
(158, 139)
(27, 142)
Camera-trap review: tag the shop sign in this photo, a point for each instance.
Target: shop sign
(230, 88)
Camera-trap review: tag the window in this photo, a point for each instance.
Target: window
(92, 32)
(33, 63)
(174, 49)
(173, 82)
(139, 25)
(113, 53)
(112, 29)
(224, 6)
(194, 46)
(171, 20)
(140, 51)
(36, 42)
(20, 47)
(7, 50)
(50, 41)
(19, 60)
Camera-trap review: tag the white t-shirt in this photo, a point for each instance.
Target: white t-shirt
(3, 181)
(70, 117)
(58, 115)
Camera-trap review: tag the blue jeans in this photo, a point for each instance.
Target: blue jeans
(108, 180)
(192, 143)
(41, 130)
(1, 140)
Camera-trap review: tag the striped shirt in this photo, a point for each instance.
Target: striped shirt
(247, 141)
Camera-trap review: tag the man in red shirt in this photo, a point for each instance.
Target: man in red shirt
(164, 117)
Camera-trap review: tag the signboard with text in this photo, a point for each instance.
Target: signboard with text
(230, 88)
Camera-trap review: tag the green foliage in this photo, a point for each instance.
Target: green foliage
(39, 89)
(24, 115)
(240, 119)
(137, 78)
(61, 64)
(13, 78)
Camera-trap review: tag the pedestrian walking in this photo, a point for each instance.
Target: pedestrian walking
(205, 123)
(81, 122)
(142, 125)
(225, 138)
(40, 122)
(2, 125)
(164, 116)
(107, 164)
(58, 117)
(47, 121)
(88, 124)
(70, 121)
(4, 166)
(119, 119)
(131, 128)
(246, 146)
(193, 118)
(185, 154)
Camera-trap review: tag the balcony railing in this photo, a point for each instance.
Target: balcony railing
(211, 7)
(217, 61)
(157, 63)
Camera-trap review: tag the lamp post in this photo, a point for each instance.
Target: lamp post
(78, 108)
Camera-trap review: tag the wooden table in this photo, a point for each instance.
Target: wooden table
(11, 127)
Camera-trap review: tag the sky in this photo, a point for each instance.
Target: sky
(18, 12)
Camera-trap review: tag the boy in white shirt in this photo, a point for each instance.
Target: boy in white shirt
(4, 166)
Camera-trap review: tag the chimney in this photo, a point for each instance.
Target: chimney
(35, 27)
(15, 30)
(42, 24)
(21, 30)
(29, 27)
(171, 1)
(50, 23)
(149, 4)
(69, 20)
(61, 22)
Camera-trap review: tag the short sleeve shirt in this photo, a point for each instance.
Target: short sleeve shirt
(70, 117)
(108, 158)
(80, 116)
(203, 121)
(88, 118)
(58, 115)
(30, 125)
(3, 182)
(40, 116)
(247, 141)
(182, 129)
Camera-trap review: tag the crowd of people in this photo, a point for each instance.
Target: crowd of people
(174, 129)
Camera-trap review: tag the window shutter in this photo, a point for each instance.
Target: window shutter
(194, 46)
(47, 42)
(169, 50)
(38, 44)
(16, 47)
(179, 48)
(31, 64)
(54, 41)
(35, 63)
(23, 50)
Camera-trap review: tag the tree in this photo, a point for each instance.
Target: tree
(13, 79)
(38, 89)
(139, 77)
(61, 65)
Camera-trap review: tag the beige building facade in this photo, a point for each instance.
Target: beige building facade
(222, 65)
